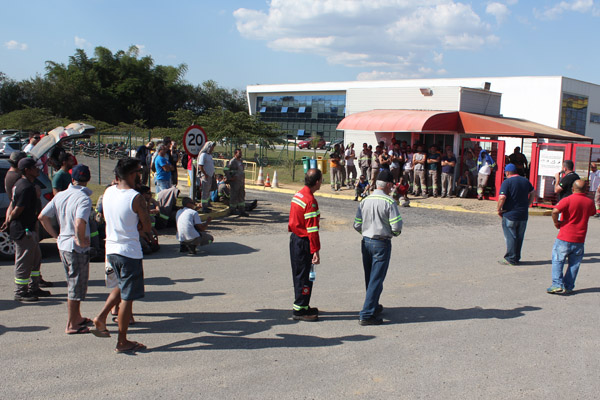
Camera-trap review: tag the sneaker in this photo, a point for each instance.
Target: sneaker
(567, 292)
(555, 290)
(41, 293)
(312, 314)
(26, 297)
(44, 283)
(370, 321)
(506, 262)
(378, 309)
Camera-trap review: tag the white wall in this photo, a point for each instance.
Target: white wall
(401, 98)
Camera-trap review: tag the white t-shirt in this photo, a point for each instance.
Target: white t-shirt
(350, 161)
(206, 161)
(594, 180)
(394, 164)
(186, 219)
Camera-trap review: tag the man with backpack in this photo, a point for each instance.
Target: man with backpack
(144, 154)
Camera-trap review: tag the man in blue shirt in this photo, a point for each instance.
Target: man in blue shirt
(516, 195)
(163, 167)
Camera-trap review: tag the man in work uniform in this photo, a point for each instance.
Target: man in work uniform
(236, 178)
(378, 220)
(21, 220)
(364, 161)
(305, 244)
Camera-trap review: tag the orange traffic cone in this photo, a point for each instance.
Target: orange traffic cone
(260, 180)
(267, 182)
(275, 182)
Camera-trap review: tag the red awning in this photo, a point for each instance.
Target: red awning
(424, 121)
(402, 121)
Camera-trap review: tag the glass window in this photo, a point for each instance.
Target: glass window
(263, 109)
(301, 109)
(573, 113)
(284, 109)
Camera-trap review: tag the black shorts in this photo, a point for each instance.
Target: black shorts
(130, 274)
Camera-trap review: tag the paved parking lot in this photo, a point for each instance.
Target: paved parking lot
(457, 324)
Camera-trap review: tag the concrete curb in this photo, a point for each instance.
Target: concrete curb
(413, 203)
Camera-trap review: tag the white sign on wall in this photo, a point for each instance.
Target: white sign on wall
(550, 162)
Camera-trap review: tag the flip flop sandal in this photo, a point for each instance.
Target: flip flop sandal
(136, 347)
(116, 320)
(86, 321)
(101, 334)
(80, 330)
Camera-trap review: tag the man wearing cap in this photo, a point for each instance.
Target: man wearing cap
(13, 174)
(72, 208)
(378, 220)
(190, 229)
(516, 195)
(21, 219)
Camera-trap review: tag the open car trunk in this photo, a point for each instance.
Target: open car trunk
(75, 130)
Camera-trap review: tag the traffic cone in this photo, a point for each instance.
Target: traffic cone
(260, 181)
(267, 182)
(275, 183)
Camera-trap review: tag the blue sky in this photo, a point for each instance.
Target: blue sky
(238, 43)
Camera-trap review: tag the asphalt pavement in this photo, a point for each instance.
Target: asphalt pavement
(217, 325)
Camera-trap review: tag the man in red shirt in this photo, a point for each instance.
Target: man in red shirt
(305, 244)
(576, 211)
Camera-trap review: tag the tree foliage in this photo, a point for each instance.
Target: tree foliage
(117, 89)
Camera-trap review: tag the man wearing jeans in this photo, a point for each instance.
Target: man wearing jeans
(378, 220)
(576, 211)
(516, 194)
(163, 167)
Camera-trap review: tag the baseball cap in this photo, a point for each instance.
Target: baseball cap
(385, 176)
(26, 162)
(510, 168)
(80, 173)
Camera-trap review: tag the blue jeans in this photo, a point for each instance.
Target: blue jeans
(162, 184)
(560, 252)
(376, 259)
(514, 233)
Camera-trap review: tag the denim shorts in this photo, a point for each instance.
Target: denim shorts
(130, 274)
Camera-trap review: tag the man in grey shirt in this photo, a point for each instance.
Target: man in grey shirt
(378, 220)
(72, 208)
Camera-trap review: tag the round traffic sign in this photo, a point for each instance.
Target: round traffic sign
(194, 139)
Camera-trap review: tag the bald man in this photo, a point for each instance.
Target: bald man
(576, 211)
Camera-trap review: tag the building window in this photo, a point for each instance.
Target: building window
(574, 113)
(263, 109)
(300, 132)
(301, 110)
(595, 118)
(284, 109)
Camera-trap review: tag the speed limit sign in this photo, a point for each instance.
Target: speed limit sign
(194, 139)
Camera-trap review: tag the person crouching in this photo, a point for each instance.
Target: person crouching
(190, 229)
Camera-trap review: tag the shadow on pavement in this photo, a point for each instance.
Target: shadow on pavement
(166, 281)
(173, 295)
(229, 331)
(214, 249)
(4, 329)
(408, 315)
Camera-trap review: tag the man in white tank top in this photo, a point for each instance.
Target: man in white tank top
(124, 210)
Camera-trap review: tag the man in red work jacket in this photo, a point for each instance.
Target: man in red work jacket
(304, 243)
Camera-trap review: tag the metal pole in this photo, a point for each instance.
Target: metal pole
(294, 163)
(99, 170)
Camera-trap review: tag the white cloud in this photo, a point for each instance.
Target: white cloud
(400, 37)
(82, 43)
(581, 6)
(498, 10)
(141, 49)
(14, 45)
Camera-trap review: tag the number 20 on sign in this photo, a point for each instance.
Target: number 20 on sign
(193, 140)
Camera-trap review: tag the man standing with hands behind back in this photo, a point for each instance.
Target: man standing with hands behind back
(305, 244)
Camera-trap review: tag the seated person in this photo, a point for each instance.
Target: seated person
(153, 207)
(362, 188)
(167, 200)
(150, 244)
(190, 229)
(222, 189)
(401, 191)
(464, 184)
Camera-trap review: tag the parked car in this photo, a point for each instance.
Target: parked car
(47, 143)
(306, 144)
(10, 143)
(8, 131)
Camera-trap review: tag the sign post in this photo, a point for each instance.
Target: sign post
(194, 139)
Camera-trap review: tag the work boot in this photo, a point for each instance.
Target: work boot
(182, 247)
(192, 249)
(26, 297)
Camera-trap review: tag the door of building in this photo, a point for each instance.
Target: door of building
(546, 161)
(472, 147)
